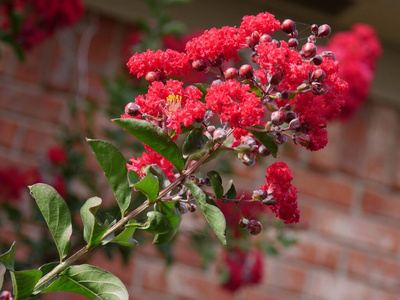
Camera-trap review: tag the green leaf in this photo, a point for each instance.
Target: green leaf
(163, 181)
(155, 138)
(231, 190)
(171, 211)
(195, 141)
(114, 167)
(156, 223)
(267, 141)
(149, 186)
(213, 214)
(125, 237)
(133, 178)
(216, 183)
(2, 272)
(93, 230)
(173, 27)
(56, 214)
(24, 282)
(91, 282)
(202, 87)
(7, 258)
(46, 268)
(268, 248)
(286, 241)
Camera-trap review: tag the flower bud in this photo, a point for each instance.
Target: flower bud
(288, 26)
(246, 71)
(278, 117)
(269, 201)
(254, 227)
(249, 141)
(317, 60)
(247, 158)
(243, 222)
(152, 76)
(259, 195)
(314, 29)
(294, 34)
(265, 38)
(207, 181)
(318, 88)
(199, 64)
(324, 30)
(289, 116)
(296, 125)
(328, 54)
(183, 208)
(211, 129)
(309, 50)
(318, 75)
(280, 138)
(303, 139)
(191, 207)
(263, 151)
(132, 109)
(275, 79)
(254, 57)
(216, 82)
(6, 295)
(218, 61)
(219, 135)
(231, 73)
(293, 43)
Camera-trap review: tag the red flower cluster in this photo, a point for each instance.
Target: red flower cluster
(214, 44)
(57, 155)
(263, 23)
(40, 18)
(151, 157)
(234, 103)
(242, 268)
(166, 63)
(357, 51)
(279, 185)
(178, 105)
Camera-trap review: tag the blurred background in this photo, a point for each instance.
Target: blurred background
(73, 80)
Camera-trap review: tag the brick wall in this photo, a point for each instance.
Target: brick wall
(349, 239)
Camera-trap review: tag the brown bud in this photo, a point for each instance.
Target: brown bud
(152, 76)
(199, 65)
(254, 227)
(317, 60)
(328, 54)
(324, 30)
(318, 75)
(314, 29)
(265, 38)
(293, 43)
(231, 73)
(246, 71)
(218, 61)
(278, 117)
(309, 50)
(288, 26)
(132, 109)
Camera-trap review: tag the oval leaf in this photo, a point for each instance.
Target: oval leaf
(213, 214)
(163, 181)
(2, 272)
(155, 138)
(24, 282)
(114, 167)
(156, 223)
(92, 229)
(171, 211)
(216, 183)
(7, 258)
(195, 141)
(267, 141)
(231, 190)
(125, 237)
(56, 214)
(149, 186)
(91, 282)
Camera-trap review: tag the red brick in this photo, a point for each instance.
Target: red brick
(396, 173)
(184, 253)
(371, 235)
(32, 68)
(314, 250)
(36, 141)
(100, 44)
(261, 293)
(154, 274)
(381, 140)
(8, 130)
(8, 59)
(284, 276)
(384, 272)
(329, 157)
(381, 203)
(323, 186)
(353, 153)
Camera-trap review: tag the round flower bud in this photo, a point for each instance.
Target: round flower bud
(132, 109)
(191, 207)
(289, 116)
(247, 158)
(6, 295)
(285, 95)
(318, 88)
(216, 82)
(265, 38)
(314, 28)
(275, 79)
(278, 117)
(219, 135)
(263, 151)
(211, 129)
(183, 208)
(259, 195)
(328, 54)
(254, 57)
(288, 26)
(318, 75)
(317, 60)
(324, 30)
(303, 139)
(218, 61)
(309, 50)
(243, 222)
(207, 181)
(296, 125)
(280, 138)
(249, 141)
(199, 65)
(254, 227)
(293, 43)
(246, 71)
(231, 73)
(152, 76)
(269, 201)
(294, 34)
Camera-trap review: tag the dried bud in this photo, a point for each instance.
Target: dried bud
(263, 151)
(318, 88)
(211, 129)
(243, 222)
(183, 208)
(247, 158)
(324, 30)
(216, 82)
(288, 26)
(269, 201)
(218, 61)
(219, 135)
(293, 43)
(328, 54)
(249, 141)
(280, 138)
(201, 182)
(289, 116)
(309, 50)
(207, 181)
(278, 117)
(265, 38)
(318, 75)
(296, 125)
(254, 227)
(152, 76)
(231, 73)
(199, 65)
(259, 195)
(193, 178)
(317, 60)
(285, 95)
(191, 207)
(246, 71)
(254, 57)
(303, 139)
(132, 109)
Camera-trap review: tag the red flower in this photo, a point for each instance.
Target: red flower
(263, 23)
(234, 103)
(180, 106)
(168, 63)
(279, 184)
(57, 155)
(151, 157)
(215, 42)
